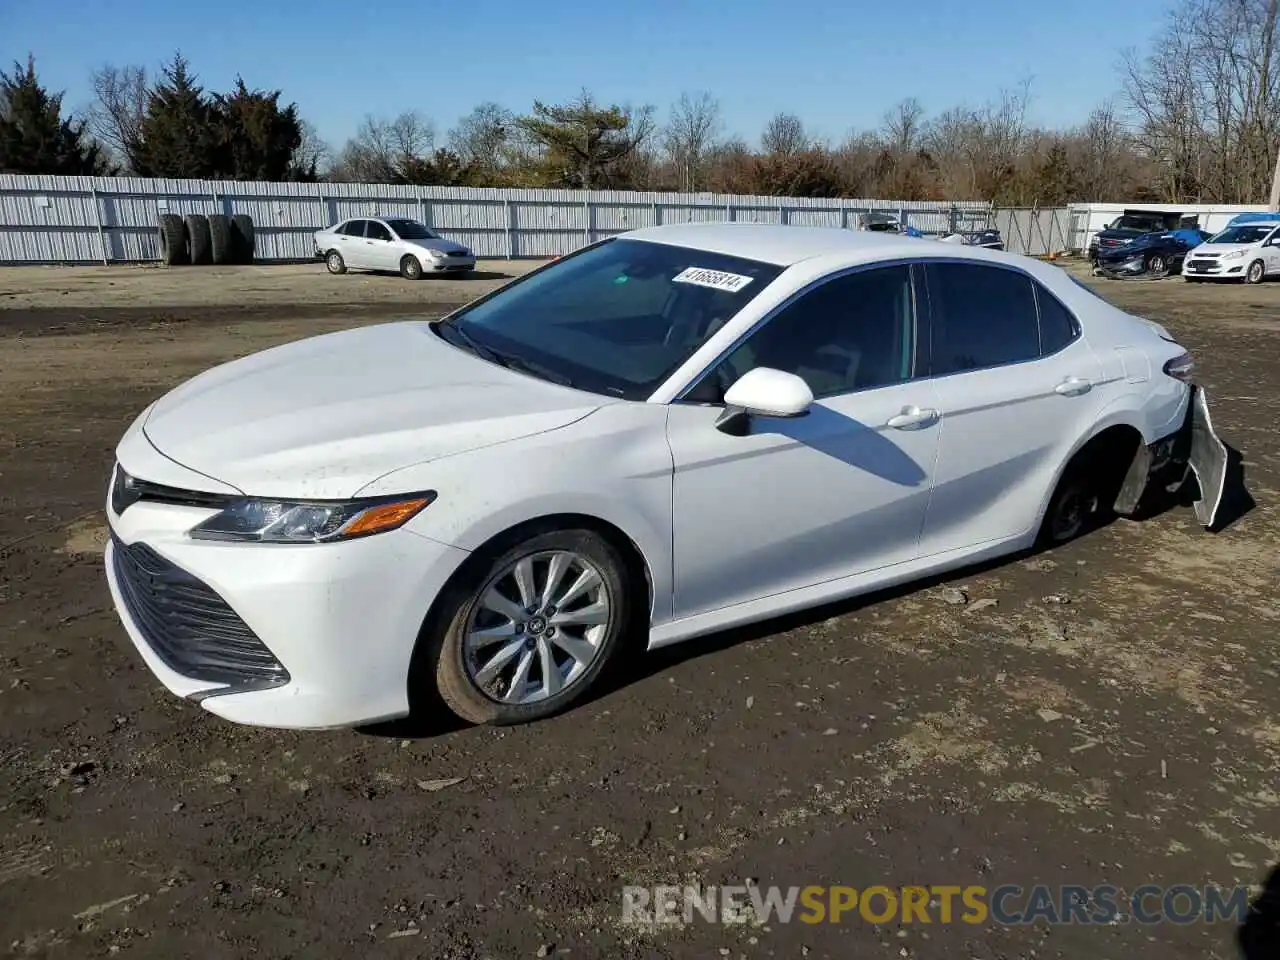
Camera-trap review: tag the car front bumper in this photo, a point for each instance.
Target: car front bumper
(1213, 267)
(275, 635)
(448, 264)
(1135, 266)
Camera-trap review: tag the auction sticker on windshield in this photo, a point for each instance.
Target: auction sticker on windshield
(715, 279)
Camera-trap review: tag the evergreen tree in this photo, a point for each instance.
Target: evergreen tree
(584, 144)
(177, 134)
(256, 139)
(34, 138)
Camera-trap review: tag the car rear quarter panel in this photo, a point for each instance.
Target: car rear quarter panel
(1132, 355)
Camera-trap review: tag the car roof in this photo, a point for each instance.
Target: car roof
(778, 244)
(375, 216)
(785, 245)
(1242, 219)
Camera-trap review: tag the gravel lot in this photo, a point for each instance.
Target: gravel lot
(1111, 717)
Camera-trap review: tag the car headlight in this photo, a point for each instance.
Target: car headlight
(1234, 255)
(286, 521)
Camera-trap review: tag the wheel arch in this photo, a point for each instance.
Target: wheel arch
(1117, 436)
(639, 572)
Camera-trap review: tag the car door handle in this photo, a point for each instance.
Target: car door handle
(1073, 387)
(913, 418)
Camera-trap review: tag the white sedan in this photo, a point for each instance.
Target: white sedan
(390, 243)
(664, 434)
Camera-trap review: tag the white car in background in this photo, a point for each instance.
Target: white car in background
(1248, 249)
(664, 434)
(390, 243)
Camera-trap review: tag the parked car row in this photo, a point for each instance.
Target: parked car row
(1145, 245)
(402, 244)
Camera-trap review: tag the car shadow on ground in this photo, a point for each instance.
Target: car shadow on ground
(432, 719)
(1259, 934)
(1237, 501)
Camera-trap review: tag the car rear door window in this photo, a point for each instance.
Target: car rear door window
(982, 316)
(851, 333)
(353, 228)
(1057, 324)
(376, 231)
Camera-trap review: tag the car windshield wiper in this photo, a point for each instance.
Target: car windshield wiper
(470, 342)
(508, 360)
(513, 362)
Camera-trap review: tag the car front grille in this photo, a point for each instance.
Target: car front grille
(455, 253)
(188, 625)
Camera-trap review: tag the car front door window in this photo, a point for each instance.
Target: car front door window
(832, 494)
(852, 333)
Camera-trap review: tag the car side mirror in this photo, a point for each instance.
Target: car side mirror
(763, 392)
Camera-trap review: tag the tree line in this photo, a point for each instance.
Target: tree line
(1196, 119)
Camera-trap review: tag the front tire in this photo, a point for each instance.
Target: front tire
(411, 267)
(334, 263)
(532, 631)
(1256, 273)
(1157, 266)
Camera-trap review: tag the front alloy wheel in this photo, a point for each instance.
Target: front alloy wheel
(537, 632)
(1256, 272)
(1157, 266)
(411, 268)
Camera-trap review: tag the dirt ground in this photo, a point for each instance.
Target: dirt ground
(1103, 713)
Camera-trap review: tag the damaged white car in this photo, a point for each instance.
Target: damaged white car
(664, 434)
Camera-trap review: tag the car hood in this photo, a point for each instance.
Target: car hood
(1148, 241)
(1121, 233)
(1218, 249)
(324, 417)
(439, 246)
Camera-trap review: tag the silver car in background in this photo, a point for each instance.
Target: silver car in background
(390, 243)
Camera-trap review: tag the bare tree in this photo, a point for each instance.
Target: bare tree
(382, 150)
(120, 103)
(313, 155)
(1104, 151)
(903, 125)
(689, 136)
(784, 135)
(484, 137)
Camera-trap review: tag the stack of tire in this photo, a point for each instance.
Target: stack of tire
(200, 240)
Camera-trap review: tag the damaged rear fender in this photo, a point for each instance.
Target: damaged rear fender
(1193, 449)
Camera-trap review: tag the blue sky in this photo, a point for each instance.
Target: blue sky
(837, 63)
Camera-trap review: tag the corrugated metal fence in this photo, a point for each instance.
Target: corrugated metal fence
(45, 219)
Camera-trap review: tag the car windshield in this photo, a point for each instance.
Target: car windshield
(1136, 223)
(412, 230)
(617, 317)
(1244, 234)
